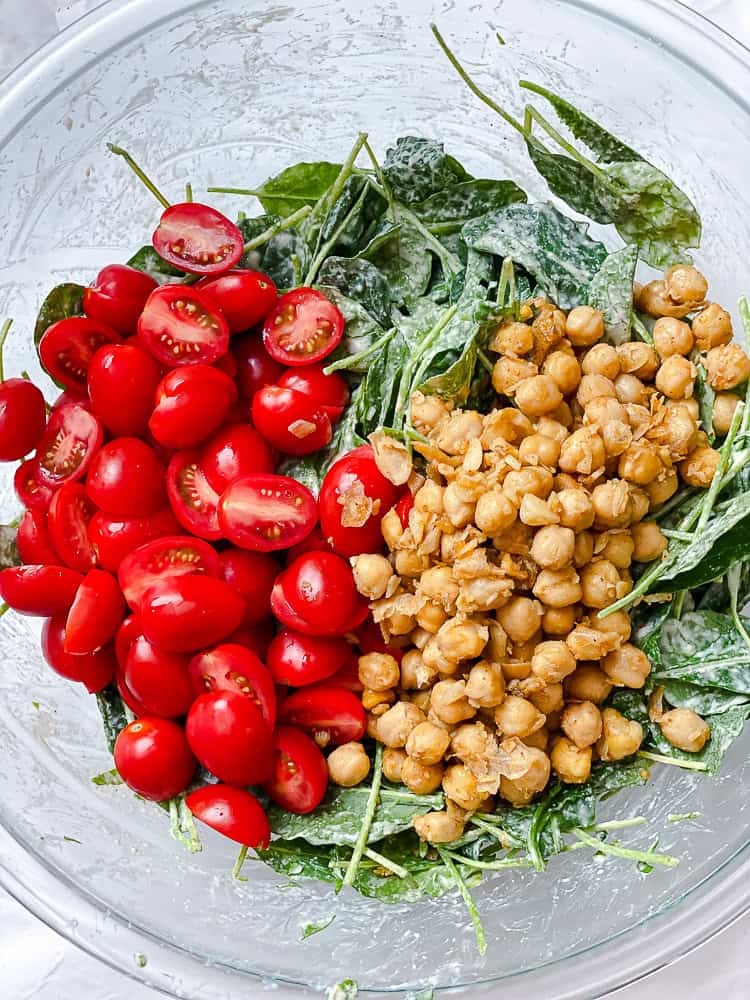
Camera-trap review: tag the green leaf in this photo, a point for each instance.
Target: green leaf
(703, 700)
(148, 260)
(417, 168)
(361, 281)
(570, 180)
(284, 258)
(298, 185)
(703, 648)
(315, 928)
(611, 290)
(113, 713)
(63, 301)
(466, 200)
(361, 330)
(345, 990)
(405, 261)
(705, 396)
(725, 729)
(9, 555)
(107, 778)
(351, 221)
(455, 383)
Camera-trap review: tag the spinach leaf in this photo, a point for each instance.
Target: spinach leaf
(703, 648)
(9, 555)
(315, 928)
(417, 168)
(63, 301)
(111, 777)
(298, 185)
(705, 396)
(703, 700)
(569, 180)
(114, 717)
(404, 259)
(284, 258)
(725, 729)
(449, 209)
(148, 260)
(611, 290)
(347, 989)
(350, 222)
(361, 330)
(361, 281)
(455, 383)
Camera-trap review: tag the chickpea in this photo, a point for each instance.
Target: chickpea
(685, 285)
(538, 449)
(639, 359)
(676, 376)
(392, 529)
(627, 666)
(517, 717)
(550, 428)
(601, 359)
(600, 583)
(593, 386)
(508, 373)
(559, 621)
(455, 434)
(485, 685)
(558, 587)
(378, 671)
(699, 468)
(497, 644)
(532, 479)
(620, 737)
(672, 336)
(603, 410)
(564, 369)
(415, 674)
(588, 643)
(549, 327)
(548, 699)
(460, 785)
(393, 760)
(348, 765)
(582, 453)
(537, 395)
(470, 742)
(372, 574)
(422, 779)
(676, 429)
(438, 827)
(421, 699)
(430, 617)
(655, 301)
(427, 411)
(584, 326)
(725, 404)
(494, 512)
(587, 683)
(630, 389)
(429, 498)
(461, 640)
(508, 425)
(576, 509)
(584, 549)
(571, 764)
(449, 703)
(394, 727)
(662, 488)
(520, 618)
(371, 725)
(612, 504)
(726, 366)
(512, 338)
(712, 327)
(427, 743)
(552, 661)
(685, 729)
(409, 563)
(640, 503)
(648, 541)
(582, 723)
(617, 547)
(563, 415)
(553, 547)
(439, 585)
(377, 699)
(639, 463)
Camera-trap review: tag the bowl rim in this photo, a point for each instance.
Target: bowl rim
(77, 915)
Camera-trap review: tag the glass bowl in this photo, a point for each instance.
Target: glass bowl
(226, 93)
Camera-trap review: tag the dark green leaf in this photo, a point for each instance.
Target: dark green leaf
(114, 717)
(703, 700)
(466, 200)
(705, 396)
(63, 301)
(361, 281)
(725, 729)
(352, 220)
(417, 168)
(298, 185)
(107, 778)
(284, 258)
(148, 260)
(611, 290)
(361, 330)
(8, 549)
(315, 928)
(703, 648)
(404, 260)
(455, 383)
(570, 180)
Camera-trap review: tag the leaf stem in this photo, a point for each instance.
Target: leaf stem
(640, 328)
(734, 574)
(538, 117)
(329, 244)
(490, 866)
(268, 234)
(648, 857)
(4, 331)
(364, 830)
(467, 898)
(447, 258)
(660, 758)
(386, 863)
(188, 191)
(351, 360)
(382, 181)
(239, 863)
(139, 173)
(419, 363)
(721, 468)
(619, 824)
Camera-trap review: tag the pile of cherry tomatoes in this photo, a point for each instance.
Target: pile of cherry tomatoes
(155, 525)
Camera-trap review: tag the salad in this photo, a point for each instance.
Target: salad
(398, 526)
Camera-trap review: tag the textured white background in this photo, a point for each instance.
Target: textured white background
(36, 964)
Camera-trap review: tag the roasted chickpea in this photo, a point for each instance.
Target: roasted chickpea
(639, 359)
(536, 512)
(627, 666)
(571, 764)
(593, 386)
(639, 463)
(537, 772)
(497, 644)
(600, 583)
(676, 376)
(685, 729)
(508, 425)
(725, 404)
(461, 640)
(415, 674)
(620, 737)
(629, 389)
(393, 759)
(587, 683)
(558, 587)
(548, 699)
(380, 700)
(699, 468)
(427, 743)
(548, 427)
(603, 410)
(538, 395)
(582, 453)
(553, 547)
(563, 415)
(394, 727)
(517, 717)
(458, 431)
(409, 563)
(612, 504)
(616, 546)
(508, 373)
(648, 541)
(662, 488)
(672, 336)
(655, 301)
(712, 327)
(348, 765)
(422, 779)
(378, 671)
(459, 511)
(602, 359)
(552, 661)
(576, 509)
(438, 827)
(584, 549)
(532, 479)
(564, 369)
(372, 574)
(584, 326)
(494, 512)
(726, 366)
(520, 618)
(449, 703)
(538, 449)
(439, 585)
(427, 411)
(582, 723)
(430, 617)
(685, 285)
(392, 529)
(640, 503)
(429, 498)
(485, 685)
(559, 621)
(460, 785)
(512, 338)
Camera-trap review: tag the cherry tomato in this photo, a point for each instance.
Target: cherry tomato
(266, 513)
(69, 515)
(290, 617)
(191, 403)
(154, 759)
(227, 364)
(256, 638)
(198, 239)
(165, 558)
(186, 613)
(298, 659)
(353, 486)
(300, 774)
(158, 679)
(72, 438)
(22, 418)
(290, 421)
(233, 812)
(252, 575)
(370, 640)
(319, 588)
(231, 667)
(331, 715)
(330, 392)
(114, 538)
(403, 508)
(245, 297)
(117, 297)
(313, 543)
(348, 676)
(128, 697)
(303, 327)
(179, 327)
(126, 479)
(33, 540)
(33, 494)
(235, 451)
(255, 366)
(94, 670)
(229, 736)
(194, 502)
(43, 591)
(96, 613)
(125, 636)
(67, 347)
(122, 381)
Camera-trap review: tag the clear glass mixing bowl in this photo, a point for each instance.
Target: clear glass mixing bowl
(226, 93)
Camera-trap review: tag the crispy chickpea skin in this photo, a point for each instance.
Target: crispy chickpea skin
(571, 764)
(518, 717)
(699, 467)
(627, 666)
(620, 737)
(639, 359)
(639, 463)
(396, 724)
(422, 779)
(427, 411)
(726, 366)
(449, 703)
(494, 512)
(512, 338)
(348, 765)
(378, 671)
(648, 541)
(538, 395)
(538, 449)
(427, 743)
(520, 618)
(655, 301)
(725, 404)
(521, 791)
(612, 504)
(712, 327)
(576, 509)
(582, 453)
(685, 729)
(552, 661)
(672, 336)
(460, 785)
(584, 326)
(532, 479)
(372, 574)
(439, 827)
(582, 723)
(587, 683)
(685, 284)
(393, 760)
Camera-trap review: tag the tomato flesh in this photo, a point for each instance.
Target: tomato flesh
(158, 679)
(179, 327)
(122, 381)
(330, 392)
(34, 543)
(290, 421)
(193, 500)
(229, 736)
(22, 418)
(191, 403)
(244, 297)
(300, 774)
(32, 493)
(186, 613)
(297, 659)
(233, 812)
(304, 326)
(330, 715)
(69, 515)
(165, 558)
(67, 347)
(231, 667)
(117, 296)
(154, 759)
(95, 614)
(113, 538)
(72, 438)
(198, 239)
(235, 451)
(266, 512)
(43, 591)
(94, 670)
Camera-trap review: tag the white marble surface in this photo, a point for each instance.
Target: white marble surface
(37, 964)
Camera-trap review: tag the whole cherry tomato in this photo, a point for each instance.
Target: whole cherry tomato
(300, 774)
(127, 479)
(331, 715)
(229, 736)
(22, 417)
(33, 540)
(70, 512)
(162, 559)
(67, 347)
(233, 812)
(42, 591)
(158, 679)
(266, 513)
(290, 421)
(370, 640)
(154, 759)
(191, 496)
(116, 297)
(138, 710)
(252, 575)
(297, 659)
(314, 542)
(231, 667)
(32, 493)
(72, 438)
(186, 613)
(329, 392)
(122, 381)
(235, 451)
(304, 326)
(198, 239)
(179, 327)
(354, 497)
(291, 618)
(319, 588)
(125, 636)
(96, 613)
(190, 404)
(114, 538)
(244, 297)
(255, 366)
(94, 670)
(256, 638)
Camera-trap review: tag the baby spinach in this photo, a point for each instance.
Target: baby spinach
(284, 258)
(447, 210)
(298, 185)
(404, 259)
(114, 717)
(361, 281)
(63, 301)
(417, 168)
(611, 290)
(703, 648)
(725, 728)
(361, 330)
(148, 260)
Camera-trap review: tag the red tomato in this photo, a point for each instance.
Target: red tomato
(72, 438)
(403, 508)
(117, 297)
(115, 537)
(303, 327)
(179, 327)
(186, 613)
(191, 404)
(288, 616)
(266, 513)
(297, 659)
(157, 679)
(255, 366)
(194, 502)
(94, 670)
(138, 710)
(330, 392)
(67, 347)
(125, 636)
(126, 479)
(33, 494)
(43, 591)
(256, 638)
(22, 418)
(352, 486)
(69, 515)
(233, 812)
(198, 239)
(252, 575)
(231, 667)
(319, 587)
(154, 759)
(290, 421)
(230, 737)
(122, 382)
(96, 613)
(370, 640)
(331, 715)
(165, 558)
(313, 543)
(235, 451)
(244, 297)
(33, 540)
(300, 774)
(348, 676)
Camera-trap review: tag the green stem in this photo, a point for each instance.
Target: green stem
(538, 117)
(679, 603)
(640, 589)
(252, 193)
(507, 282)
(139, 173)
(268, 234)
(680, 536)
(721, 468)
(485, 361)
(648, 857)
(641, 330)
(619, 824)
(3, 608)
(681, 817)
(239, 863)
(386, 863)
(382, 181)
(364, 830)
(660, 758)
(417, 365)
(4, 331)
(188, 191)
(733, 582)
(352, 360)
(490, 866)
(330, 243)
(448, 259)
(466, 895)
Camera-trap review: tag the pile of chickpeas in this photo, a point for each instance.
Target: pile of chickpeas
(524, 526)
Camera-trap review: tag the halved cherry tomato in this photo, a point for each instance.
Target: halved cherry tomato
(165, 558)
(348, 676)
(300, 774)
(125, 636)
(117, 297)
(370, 640)
(403, 508)
(116, 537)
(256, 638)
(319, 587)
(303, 327)
(194, 502)
(233, 812)
(67, 347)
(126, 479)
(179, 327)
(186, 613)
(94, 670)
(72, 438)
(32, 493)
(231, 667)
(235, 451)
(245, 297)
(313, 543)
(122, 381)
(331, 715)
(297, 659)
(158, 679)
(352, 487)
(198, 239)
(43, 591)
(266, 513)
(22, 418)
(138, 710)
(252, 575)
(255, 366)
(154, 759)
(290, 421)
(229, 736)
(33, 540)
(96, 613)
(190, 404)
(329, 392)
(69, 515)
(290, 617)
